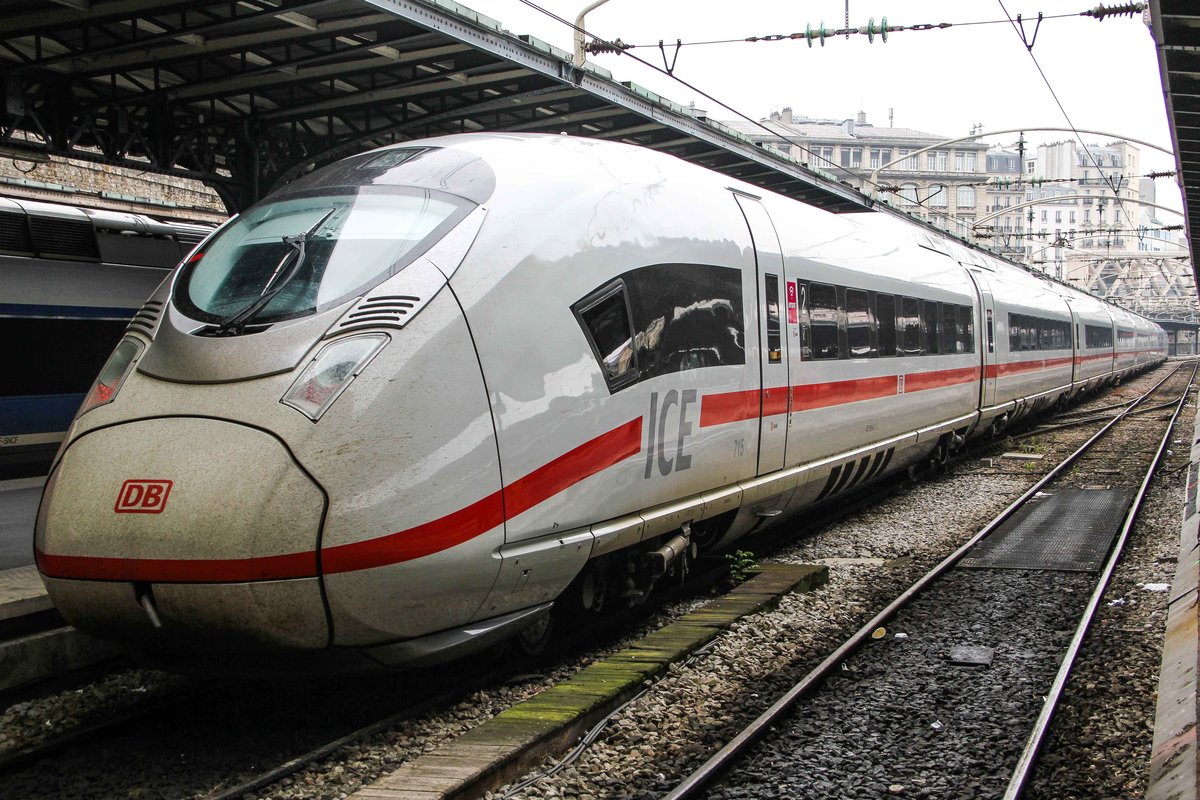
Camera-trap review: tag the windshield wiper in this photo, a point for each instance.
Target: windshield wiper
(292, 260)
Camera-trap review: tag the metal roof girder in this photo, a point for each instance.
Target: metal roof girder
(275, 77)
(371, 96)
(239, 43)
(41, 21)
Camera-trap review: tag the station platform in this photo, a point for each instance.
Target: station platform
(18, 509)
(21, 589)
(34, 642)
(1175, 757)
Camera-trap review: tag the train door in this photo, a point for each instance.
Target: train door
(773, 345)
(1076, 344)
(987, 339)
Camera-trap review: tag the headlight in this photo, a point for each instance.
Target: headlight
(113, 374)
(330, 372)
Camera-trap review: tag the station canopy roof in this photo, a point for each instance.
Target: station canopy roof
(245, 94)
(1177, 35)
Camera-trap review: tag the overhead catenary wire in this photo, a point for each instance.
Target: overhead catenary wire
(668, 73)
(1029, 49)
(600, 44)
(1021, 184)
(871, 30)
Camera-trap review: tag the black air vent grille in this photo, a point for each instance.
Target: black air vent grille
(65, 238)
(14, 233)
(191, 238)
(146, 317)
(391, 310)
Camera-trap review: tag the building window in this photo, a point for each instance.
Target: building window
(971, 162)
(1058, 216)
(908, 194)
(856, 157)
(937, 197)
(965, 197)
(1045, 215)
(959, 160)
(1071, 216)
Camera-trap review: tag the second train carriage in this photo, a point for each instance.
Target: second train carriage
(72, 279)
(402, 406)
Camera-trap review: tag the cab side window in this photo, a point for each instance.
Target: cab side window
(665, 318)
(604, 316)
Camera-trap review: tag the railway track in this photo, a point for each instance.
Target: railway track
(341, 714)
(959, 635)
(266, 767)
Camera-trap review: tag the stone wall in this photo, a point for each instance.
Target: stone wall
(84, 183)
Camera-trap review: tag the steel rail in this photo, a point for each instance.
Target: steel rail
(1033, 744)
(707, 772)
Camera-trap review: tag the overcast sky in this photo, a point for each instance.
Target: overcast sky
(1105, 73)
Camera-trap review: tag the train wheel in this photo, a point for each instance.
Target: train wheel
(593, 588)
(533, 640)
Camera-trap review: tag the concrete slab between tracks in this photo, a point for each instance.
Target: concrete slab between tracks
(22, 593)
(1175, 758)
(509, 744)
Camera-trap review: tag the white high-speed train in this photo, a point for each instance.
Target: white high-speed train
(401, 407)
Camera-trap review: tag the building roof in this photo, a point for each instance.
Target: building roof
(841, 132)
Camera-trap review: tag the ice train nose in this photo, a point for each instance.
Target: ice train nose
(210, 523)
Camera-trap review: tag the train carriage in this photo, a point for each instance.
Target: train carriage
(73, 279)
(1094, 341)
(410, 402)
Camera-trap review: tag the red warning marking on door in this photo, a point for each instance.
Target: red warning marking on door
(142, 497)
(793, 312)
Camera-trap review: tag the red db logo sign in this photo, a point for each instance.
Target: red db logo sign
(142, 497)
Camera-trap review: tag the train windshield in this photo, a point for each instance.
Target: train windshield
(297, 255)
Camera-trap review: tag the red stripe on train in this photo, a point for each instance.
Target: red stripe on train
(177, 570)
(426, 539)
(719, 409)
(821, 395)
(1016, 367)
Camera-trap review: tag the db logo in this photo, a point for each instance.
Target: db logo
(142, 497)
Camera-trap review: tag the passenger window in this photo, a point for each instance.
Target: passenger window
(859, 324)
(774, 339)
(886, 305)
(823, 320)
(605, 319)
(910, 326)
(991, 332)
(930, 317)
(949, 322)
(1047, 334)
(966, 329)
